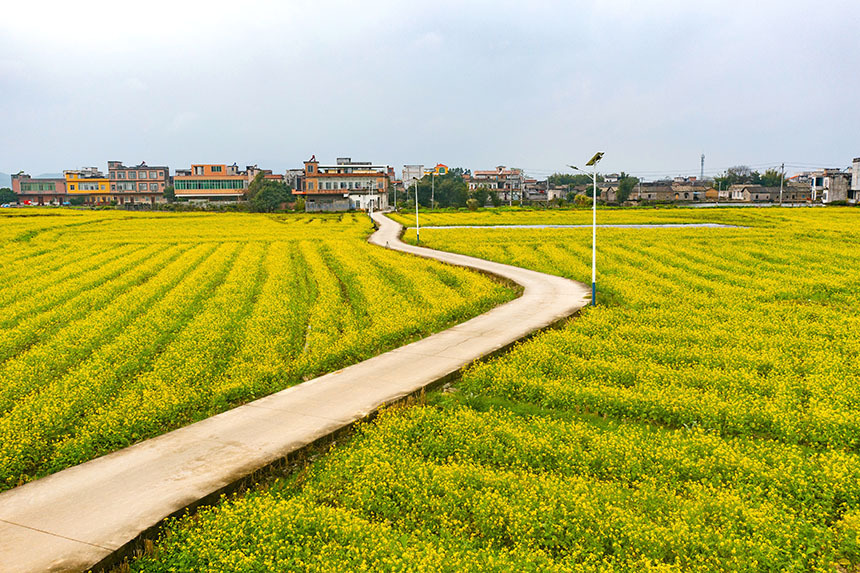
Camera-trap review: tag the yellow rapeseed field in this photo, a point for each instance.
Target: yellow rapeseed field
(704, 417)
(120, 326)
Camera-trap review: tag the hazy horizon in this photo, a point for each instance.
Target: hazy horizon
(474, 84)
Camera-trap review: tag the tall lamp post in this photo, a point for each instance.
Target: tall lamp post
(593, 164)
(417, 227)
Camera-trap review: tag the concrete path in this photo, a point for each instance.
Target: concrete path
(88, 515)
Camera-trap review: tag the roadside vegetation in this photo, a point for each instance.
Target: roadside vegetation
(117, 327)
(704, 417)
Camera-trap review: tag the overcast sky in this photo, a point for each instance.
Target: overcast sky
(535, 84)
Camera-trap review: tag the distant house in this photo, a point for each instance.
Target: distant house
(507, 182)
(211, 182)
(854, 192)
(48, 191)
(345, 185)
(655, 192)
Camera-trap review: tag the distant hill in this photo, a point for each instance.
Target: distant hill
(5, 180)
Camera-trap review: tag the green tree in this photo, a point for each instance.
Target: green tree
(495, 199)
(481, 195)
(299, 205)
(169, 193)
(7, 195)
(737, 175)
(270, 197)
(771, 178)
(626, 184)
(255, 186)
(560, 179)
(450, 189)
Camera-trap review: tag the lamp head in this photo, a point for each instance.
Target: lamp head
(597, 157)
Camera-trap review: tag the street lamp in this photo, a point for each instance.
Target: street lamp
(417, 226)
(593, 164)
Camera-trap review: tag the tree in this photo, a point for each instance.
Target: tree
(169, 193)
(449, 190)
(738, 175)
(270, 197)
(472, 204)
(626, 184)
(299, 205)
(481, 195)
(7, 195)
(560, 179)
(255, 186)
(771, 178)
(495, 199)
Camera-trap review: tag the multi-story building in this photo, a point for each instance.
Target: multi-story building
(90, 184)
(41, 191)
(139, 184)
(345, 185)
(854, 192)
(210, 182)
(507, 182)
(412, 173)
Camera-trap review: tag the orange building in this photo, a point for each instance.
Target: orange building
(90, 184)
(210, 182)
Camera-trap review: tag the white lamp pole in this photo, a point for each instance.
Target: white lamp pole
(417, 226)
(593, 164)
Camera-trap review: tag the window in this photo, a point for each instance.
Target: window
(216, 169)
(161, 174)
(153, 186)
(142, 175)
(113, 174)
(132, 174)
(152, 174)
(141, 186)
(113, 186)
(120, 175)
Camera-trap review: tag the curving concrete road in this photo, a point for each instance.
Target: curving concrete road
(89, 515)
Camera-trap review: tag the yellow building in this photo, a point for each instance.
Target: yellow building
(90, 183)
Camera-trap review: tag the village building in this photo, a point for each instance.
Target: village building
(138, 184)
(91, 185)
(345, 185)
(210, 182)
(39, 191)
(507, 182)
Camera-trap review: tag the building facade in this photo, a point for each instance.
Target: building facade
(139, 184)
(89, 184)
(41, 191)
(345, 185)
(507, 182)
(210, 182)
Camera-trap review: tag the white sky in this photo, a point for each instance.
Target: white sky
(535, 84)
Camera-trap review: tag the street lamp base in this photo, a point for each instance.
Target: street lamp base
(593, 294)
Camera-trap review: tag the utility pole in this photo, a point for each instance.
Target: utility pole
(702, 172)
(433, 189)
(781, 181)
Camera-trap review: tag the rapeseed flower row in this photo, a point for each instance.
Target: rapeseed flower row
(705, 416)
(145, 322)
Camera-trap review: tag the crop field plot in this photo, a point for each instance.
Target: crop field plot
(705, 416)
(116, 327)
(616, 216)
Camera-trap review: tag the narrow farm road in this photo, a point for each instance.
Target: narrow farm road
(89, 516)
